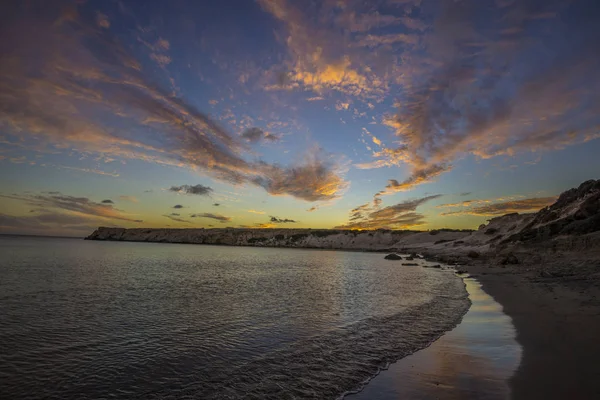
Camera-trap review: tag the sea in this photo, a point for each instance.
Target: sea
(118, 320)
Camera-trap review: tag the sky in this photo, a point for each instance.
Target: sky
(395, 114)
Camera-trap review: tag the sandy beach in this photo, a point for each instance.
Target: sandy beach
(528, 335)
(557, 321)
(472, 361)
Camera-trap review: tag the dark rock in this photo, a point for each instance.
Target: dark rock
(509, 259)
(393, 257)
(473, 254)
(461, 271)
(490, 231)
(410, 258)
(410, 264)
(434, 266)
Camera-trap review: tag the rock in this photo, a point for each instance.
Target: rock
(434, 266)
(473, 254)
(410, 258)
(410, 264)
(393, 257)
(509, 259)
(461, 271)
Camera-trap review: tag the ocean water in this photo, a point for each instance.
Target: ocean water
(116, 320)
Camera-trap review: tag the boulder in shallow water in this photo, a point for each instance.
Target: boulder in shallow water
(393, 257)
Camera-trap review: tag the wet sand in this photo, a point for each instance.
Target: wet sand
(473, 361)
(558, 324)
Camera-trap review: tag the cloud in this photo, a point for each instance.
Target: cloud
(340, 105)
(506, 207)
(282, 220)
(131, 199)
(255, 135)
(496, 91)
(256, 212)
(72, 206)
(218, 217)
(107, 201)
(265, 226)
(400, 216)
(84, 74)
(418, 177)
(477, 78)
(380, 40)
(178, 206)
(48, 223)
(198, 189)
(174, 217)
(465, 194)
(314, 58)
(102, 20)
(316, 178)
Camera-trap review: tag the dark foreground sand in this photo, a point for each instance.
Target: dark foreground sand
(558, 324)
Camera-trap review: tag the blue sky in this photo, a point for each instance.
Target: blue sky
(394, 114)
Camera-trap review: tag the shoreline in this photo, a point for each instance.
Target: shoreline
(557, 327)
(472, 360)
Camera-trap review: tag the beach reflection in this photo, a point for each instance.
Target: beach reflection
(475, 360)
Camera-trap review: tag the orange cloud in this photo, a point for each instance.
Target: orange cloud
(506, 207)
(400, 216)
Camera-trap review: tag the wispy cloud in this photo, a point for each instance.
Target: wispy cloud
(174, 217)
(83, 67)
(473, 77)
(316, 178)
(256, 212)
(71, 205)
(218, 217)
(131, 199)
(255, 135)
(506, 207)
(48, 222)
(403, 215)
(521, 106)
(277, 220)
(198, 189)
